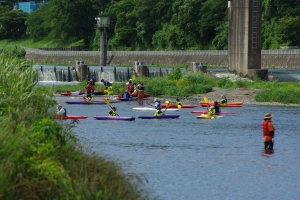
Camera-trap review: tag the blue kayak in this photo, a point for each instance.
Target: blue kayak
(128, 99)
(165, 116)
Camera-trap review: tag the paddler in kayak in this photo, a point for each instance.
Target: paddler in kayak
(112, 112)
(268, 131)
(211, 111)
(62, 112)
(217, 108)
(88, 99)
(223, 101)
(158, 112)
(178, 103)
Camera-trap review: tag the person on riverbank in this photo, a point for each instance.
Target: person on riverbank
(271, 77)
(88, 88)
(110, 91)
(268, 131)
(178, 103)
(157, 103)
(140, 88)
(93, 82)
(106, 83)
(62, 112)
(113, 112)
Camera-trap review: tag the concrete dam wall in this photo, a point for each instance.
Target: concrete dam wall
(164, 58)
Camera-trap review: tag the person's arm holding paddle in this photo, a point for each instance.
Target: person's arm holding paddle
(112, 108)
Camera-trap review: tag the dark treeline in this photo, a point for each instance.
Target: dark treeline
(148, 25)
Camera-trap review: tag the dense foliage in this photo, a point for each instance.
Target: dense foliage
(148, 25)
(40, 158)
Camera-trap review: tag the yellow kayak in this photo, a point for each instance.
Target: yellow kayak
(206, 116)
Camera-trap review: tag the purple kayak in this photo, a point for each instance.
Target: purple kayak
(114, 118)
(166, 116)
(205, 112)
(93, 102)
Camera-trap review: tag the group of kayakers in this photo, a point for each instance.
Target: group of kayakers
(136, 89)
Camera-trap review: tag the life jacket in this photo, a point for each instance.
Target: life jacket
(88, 87)
(266, 132)
(65, 114)
(141, 87)
(159, 105)
(110, 90)
(217, 108)
(158, 112)
(129, 88)
(212, 112)
(112, 113)
(223, 101)
(179, 104)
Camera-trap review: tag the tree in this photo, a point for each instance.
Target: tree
(12, 24)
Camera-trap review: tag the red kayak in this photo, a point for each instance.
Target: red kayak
(175, 106)
(68, 93)
(71, 117)
(205, 112)
(134, 95)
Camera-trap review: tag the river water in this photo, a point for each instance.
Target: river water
(190, 158)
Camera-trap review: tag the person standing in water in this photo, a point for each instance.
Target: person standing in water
(268, 131)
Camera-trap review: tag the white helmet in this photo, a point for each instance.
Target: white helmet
(156, 99)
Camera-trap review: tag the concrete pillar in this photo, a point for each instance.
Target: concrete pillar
(244, 37)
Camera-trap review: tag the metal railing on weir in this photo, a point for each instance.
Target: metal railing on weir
(155, 53)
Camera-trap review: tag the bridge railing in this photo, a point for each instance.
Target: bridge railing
(155, 53)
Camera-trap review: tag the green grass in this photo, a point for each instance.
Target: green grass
(40, 158)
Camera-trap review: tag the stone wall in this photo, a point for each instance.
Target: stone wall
(273, 60)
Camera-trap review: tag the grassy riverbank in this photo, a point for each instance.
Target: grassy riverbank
(189, 84)
(40, 158)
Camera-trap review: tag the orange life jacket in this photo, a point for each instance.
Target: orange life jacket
(266, 132)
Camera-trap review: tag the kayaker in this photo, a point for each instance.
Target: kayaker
(110, 91)
(158, 112)
(223, 100)
(157, 103)
(88, 88)
(106, 83)
(140, 88)
(93, 82)
(268, 131)
(88, 99)
(61, 111)
(112, 112)
(178, 103)
(211, 111)
(217, 107)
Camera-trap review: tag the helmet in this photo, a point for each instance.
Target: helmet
(102, 80)
(156, 99)
(114, 108)
(216, 103)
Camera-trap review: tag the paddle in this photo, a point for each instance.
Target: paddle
(108, 103)
(149, 104)
(167, 106)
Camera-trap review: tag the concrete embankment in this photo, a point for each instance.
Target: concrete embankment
(268, 61)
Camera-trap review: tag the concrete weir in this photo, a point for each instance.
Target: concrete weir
(244, 38)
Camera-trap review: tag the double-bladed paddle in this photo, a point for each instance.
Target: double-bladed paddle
(108, 103)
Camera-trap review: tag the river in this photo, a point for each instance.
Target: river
(190, 158)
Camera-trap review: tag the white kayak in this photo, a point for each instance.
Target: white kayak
(153, 109)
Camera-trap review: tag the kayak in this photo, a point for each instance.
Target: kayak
(183, 106)
(93, 102)
(114, 118)
(99, 93)
(228, 105)
(128, 99)
(71, 117)
(71, 93)
(205, 112)
(205, 116)
(153, 109)
(134, 95)
(166, 116)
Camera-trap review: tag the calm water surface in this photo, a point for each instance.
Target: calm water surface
(189, 158)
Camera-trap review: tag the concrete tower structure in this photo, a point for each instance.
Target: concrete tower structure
(244, 38)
